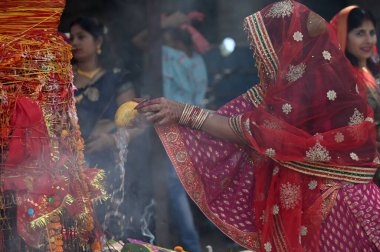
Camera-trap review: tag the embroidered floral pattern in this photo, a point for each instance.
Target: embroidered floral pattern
(354, 156)
(295, 72)
(289, 195)
(313, 184)
(318, 153)
(331, 95)
(318, 137)
(276, 209)
(181, 157)
(303, 231)
(339, 137)
(369, 119)
(356, 118)
(172, 137)
(286, 108)
(281, 9)
(326, 55)
(270, 152)
(268, 247)
(297, 36)
(276, 170)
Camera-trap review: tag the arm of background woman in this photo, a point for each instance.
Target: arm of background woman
(174, 20)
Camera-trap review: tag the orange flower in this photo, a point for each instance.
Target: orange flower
(96, 246)
(58, 249)
(58, 243)
(5, 132)
(80, 145)
(51, 246)
(178, 249)
(64, 133)
(56, 225)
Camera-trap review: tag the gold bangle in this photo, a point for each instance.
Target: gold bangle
(186, 114)
(193, 116)
(200, 119)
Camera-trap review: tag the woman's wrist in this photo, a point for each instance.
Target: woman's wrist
(193, 116)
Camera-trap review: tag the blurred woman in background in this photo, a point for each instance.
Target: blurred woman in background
(356, 31)
(100, 89)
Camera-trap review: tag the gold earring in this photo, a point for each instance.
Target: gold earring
(98, 50)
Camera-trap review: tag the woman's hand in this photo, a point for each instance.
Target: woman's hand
(174, 20)
(100, 142)
(161, 111)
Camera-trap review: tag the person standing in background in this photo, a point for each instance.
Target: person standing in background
(184, 70)
(184, 80)
(101, 87)
(184, 76)
(356, 31)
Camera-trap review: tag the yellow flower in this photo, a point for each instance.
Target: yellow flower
(64, 133)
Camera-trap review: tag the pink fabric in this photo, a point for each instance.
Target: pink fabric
(355, 216)
(206, 168)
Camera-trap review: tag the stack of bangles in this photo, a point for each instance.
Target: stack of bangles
(193, 116)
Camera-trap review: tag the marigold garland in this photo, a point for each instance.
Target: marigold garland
(55, 238)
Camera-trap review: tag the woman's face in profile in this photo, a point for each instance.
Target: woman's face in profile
(361, 40)
(83, 43)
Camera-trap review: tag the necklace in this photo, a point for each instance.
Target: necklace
(90, 75)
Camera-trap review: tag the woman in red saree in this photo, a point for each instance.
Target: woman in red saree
(287, 166)
(356, 31)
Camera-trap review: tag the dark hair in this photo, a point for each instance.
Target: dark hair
(97, 30)
(179, 35)
(355, 19)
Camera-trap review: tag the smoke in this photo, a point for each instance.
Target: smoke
(145, 220)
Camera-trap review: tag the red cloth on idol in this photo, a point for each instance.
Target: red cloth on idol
(30, 139)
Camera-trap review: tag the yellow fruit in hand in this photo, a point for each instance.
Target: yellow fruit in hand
(125, 114)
